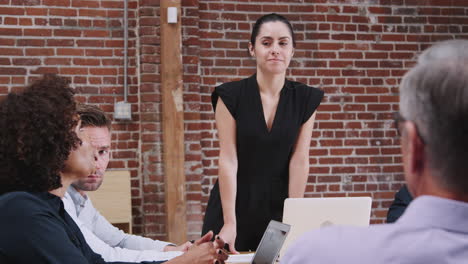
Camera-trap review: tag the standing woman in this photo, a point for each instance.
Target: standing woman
(264, 126)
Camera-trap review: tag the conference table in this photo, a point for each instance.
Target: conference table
(242, 258)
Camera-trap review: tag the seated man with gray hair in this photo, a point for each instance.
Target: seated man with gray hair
(433, 124)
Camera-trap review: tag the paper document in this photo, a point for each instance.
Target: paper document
(241, 258)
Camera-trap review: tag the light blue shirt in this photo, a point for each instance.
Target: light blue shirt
(432, 230)
(108, 241)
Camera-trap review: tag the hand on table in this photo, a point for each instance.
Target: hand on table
(204, 251)
(228, 233)
(183, 247)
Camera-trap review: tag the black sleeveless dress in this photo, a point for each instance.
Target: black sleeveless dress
(263, 156)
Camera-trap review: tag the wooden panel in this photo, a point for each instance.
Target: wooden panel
(173, 124)
(113, 198)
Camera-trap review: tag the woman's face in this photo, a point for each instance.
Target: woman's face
(82, 161)
(273, 48)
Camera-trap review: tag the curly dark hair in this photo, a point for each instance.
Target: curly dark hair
(37, 135)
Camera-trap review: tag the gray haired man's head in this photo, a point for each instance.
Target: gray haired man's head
(434, 95)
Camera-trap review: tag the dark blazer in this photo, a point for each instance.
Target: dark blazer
(398, 207)
(35, 228)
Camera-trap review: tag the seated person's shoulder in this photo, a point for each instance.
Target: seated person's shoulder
(20, 204)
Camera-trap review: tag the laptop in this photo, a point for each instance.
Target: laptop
(305, 214)
(270, 245)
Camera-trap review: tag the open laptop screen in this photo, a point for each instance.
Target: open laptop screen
(272, 241)
(305, 214)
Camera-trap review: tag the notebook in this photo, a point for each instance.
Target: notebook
(305, 214)
(270, 245)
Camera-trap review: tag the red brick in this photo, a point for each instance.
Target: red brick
(338, 18)
(343, 170)
(32, 11)
(103, 71)
(344, 36)
(114, 43)
(40, 22)
(26, 61)
(56, 2)
(114, 13)
(328, 179)
(96, 33)
(69, 52)
(4, 61)
(84, 61)
(39, 52)
(73, 71)
(10, 31)
(12, 71)
(11, 11)
(85, 3)
(7, 42)
(66, 12)
(92, 13)
(98, 23)
(60, 42)
(90, 43)
(44, 70)
(350, 55)
(57, 61)
(10, 21)
(11, 51)
(99, 52)
(112, 4)
(37, 32)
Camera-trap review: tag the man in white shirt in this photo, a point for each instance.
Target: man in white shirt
(105, 239)
(433, 124)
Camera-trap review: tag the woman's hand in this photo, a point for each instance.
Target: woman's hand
(228, 233)
(203, 251)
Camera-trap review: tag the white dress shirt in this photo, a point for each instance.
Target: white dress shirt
(432, 230)
(110, 242)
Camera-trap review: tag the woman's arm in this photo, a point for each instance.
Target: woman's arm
(227, 171)
(299, 163)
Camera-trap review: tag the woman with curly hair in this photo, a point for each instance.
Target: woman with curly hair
(42, 150)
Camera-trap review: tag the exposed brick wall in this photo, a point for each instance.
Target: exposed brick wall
(151, 174)
(356, 51)
(83, 41)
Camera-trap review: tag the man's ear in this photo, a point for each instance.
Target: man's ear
(251, 49)
(414, 150)
(414, 158)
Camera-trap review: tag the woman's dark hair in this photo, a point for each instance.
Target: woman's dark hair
(273, 17)
(37, 135)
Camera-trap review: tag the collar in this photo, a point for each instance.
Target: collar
(432, 211)
(77, 198)
(252, 81)
(54, 201)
